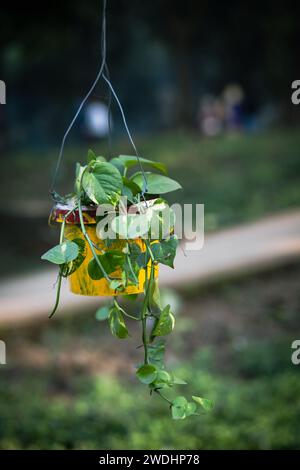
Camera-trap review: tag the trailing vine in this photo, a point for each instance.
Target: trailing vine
(143, 237)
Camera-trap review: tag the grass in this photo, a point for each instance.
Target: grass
(49, 411)
(237, 177)
(69, 385)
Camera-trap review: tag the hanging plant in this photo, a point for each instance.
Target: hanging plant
(116, 228)
(127, 263)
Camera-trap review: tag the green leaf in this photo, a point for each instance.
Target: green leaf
(165, 323)
(204, 402)
(111, 260)
(163, 379)
(131, 270)
(178, 413)
(163, 376)
(143, 259)
(130, 226)
(131, 297)
(91, 156)
(78, 175)
(156, 184)
(63, 253)
(190, 409)
(102, 183)
(117, 324)
(134, 251)
(133, 187)
(126, 192)
(116, 284)
(179, 406)
(101, 159)
(130, 189)
(161, 220)
(118, 164)
(180, 401)
(69, 268)
(178, 381)
(165, 251)
(147, 373)
(102, 313)
(157, 353)
(131, 161)
(155, 294)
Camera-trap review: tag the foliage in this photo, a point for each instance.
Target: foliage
(103, 183)
(44, 409)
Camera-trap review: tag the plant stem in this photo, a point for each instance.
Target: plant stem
(144, 332)
(130, 266)
(57, 294)
(130, 316)
(123, 311)
(146, 305)
(63, 224)
(86, 236)
(151, 277)
(144, 319)
(97, 247)
(148, 246)
(59, 279)
(163, 397)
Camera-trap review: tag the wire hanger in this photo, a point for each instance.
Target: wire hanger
(106, 78)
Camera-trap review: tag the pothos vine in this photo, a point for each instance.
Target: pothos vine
(119, 260)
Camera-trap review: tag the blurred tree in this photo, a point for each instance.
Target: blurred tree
(55, 47)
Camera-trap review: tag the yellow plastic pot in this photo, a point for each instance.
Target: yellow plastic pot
(80, 281)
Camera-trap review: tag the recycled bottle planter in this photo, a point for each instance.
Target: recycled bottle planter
(80, 282)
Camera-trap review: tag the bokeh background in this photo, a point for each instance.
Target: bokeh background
(206, 88)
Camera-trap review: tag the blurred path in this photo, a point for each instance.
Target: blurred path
(272, 241)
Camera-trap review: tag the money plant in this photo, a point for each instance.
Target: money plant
(129, 242)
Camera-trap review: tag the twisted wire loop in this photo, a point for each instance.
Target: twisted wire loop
(106, 77)
(128, 132)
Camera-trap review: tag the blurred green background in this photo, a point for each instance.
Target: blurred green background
(67, 383)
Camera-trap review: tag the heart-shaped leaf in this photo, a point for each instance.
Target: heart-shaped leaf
(178, 381)
(102, 313)
(157, 353)
(102, 183)
(163, 379)
(190, 408)
(147, 373)
(130, 226)
(162, 220)
(69, 268)
(179, 406)
(92, 157)
(130, 189)
(165, 323)
(131, 161)
(63, 253)
(204, 402)
(78, 176)
(117, 324)
(110, 261)
(118, 164)
(156, 184)
(155, 294)
(165, 251)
